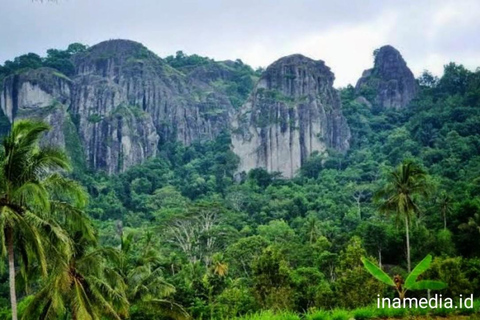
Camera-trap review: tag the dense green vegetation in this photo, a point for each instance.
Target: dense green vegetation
(234, 78)
(178, 235)
(56, 59)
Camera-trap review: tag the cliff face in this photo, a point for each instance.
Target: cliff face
(125, 94)
(123, 100)
(42, 94)
(390, 83)
(292, 112)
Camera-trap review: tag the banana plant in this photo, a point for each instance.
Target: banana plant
(410, 283)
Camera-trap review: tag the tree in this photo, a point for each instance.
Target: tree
(32, 194)
(353, 283)
(84, 286)
(400, 195)
(197, 234)
(410, 282)
(446, 206)
(147, 289)
(241, 253)
(376, 237)
(272, 282)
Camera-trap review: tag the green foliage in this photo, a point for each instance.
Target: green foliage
(234, 78)
(411, 282)
(38, 205)
(56, 59)
(364, 313)
(94, 118)
(421, 267)
(269, 315)
(193, 234)
(378, 273)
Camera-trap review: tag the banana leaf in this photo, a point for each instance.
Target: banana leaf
(428, 285)
(417, 271)
(378, 273)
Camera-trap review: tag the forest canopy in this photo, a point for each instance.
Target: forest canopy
(182, 235)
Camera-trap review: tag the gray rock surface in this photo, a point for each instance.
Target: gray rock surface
(41, 94)
(390, 83)
(124, 101)
(293, 111)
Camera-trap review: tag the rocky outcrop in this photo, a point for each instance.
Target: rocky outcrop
(42, 94)
(123, 101)
(390, 83)
(293, 111)
(158, 104)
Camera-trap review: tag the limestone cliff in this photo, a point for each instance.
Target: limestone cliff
(162, 104)
(390, 83)
(42, 94)
(293, 111)
(123, 100)
(121, 103)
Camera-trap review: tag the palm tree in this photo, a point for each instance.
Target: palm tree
(32, 192)
(400, 195)
(84, 286)
(147, 288)
(446, 206)
(312, 229)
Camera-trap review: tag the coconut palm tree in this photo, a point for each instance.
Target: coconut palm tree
(147, 289)
(446, 207)
(85, 286)
(32, 192)
(400, 195)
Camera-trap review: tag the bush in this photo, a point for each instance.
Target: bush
(339, 314)
(364, 313)
(318, 315)
(270, 315)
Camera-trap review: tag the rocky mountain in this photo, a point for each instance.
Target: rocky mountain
(123, 101)
(41, 93)
(293, 111)
(390, 83)
(120, 103)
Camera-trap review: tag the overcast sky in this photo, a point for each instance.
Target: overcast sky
(344, 34)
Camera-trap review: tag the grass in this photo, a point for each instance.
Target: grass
(318, 315)
(270, 315)
(366, 313)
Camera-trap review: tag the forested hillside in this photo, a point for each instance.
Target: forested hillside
(182, 234)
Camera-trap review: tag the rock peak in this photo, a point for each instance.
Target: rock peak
(390, 83)
(117, 45)
(295, 58)
(300, 61)
(389, 62)
(293, 111)
(297, 75)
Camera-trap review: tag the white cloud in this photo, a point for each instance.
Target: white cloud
(428, 33)
(347, 50)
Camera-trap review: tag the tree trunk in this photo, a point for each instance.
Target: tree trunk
(11, 273)
(444, 221)
(359, 209)
(408, 243)
(380, 258)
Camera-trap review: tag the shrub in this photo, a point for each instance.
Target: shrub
(318, 315)
(364, 313)
(340, 314)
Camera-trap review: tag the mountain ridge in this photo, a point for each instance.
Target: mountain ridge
(125, 103)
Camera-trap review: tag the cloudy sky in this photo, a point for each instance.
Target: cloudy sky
(342, 33)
